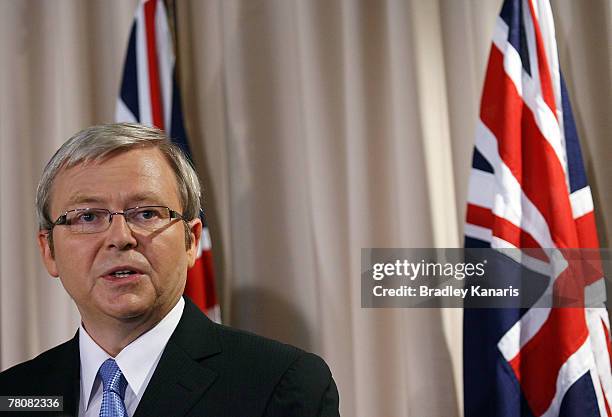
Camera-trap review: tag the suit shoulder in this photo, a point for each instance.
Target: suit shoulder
(292, 361)
(276, 378)
(248, 343)
(296, 358)
(263, 356)
(291, 378)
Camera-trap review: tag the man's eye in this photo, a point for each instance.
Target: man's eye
(85, 217)
(148, 214)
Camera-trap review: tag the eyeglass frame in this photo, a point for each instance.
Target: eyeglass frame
(62, 219)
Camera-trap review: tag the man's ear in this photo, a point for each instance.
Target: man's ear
(46, 253)
(195, 228)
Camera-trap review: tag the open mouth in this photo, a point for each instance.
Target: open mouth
(121, 274)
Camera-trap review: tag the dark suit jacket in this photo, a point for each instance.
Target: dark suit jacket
(206, 370)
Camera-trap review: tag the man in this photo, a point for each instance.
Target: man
(118, 213)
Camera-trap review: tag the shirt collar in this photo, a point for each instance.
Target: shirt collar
(136, 361)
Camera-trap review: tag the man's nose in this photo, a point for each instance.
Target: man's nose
(119, 234)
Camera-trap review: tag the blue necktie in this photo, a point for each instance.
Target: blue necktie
(114, 384)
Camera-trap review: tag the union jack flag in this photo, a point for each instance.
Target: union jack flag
(149, 95)
(528, 189)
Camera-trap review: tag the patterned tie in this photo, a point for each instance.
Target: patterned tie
(114, 384)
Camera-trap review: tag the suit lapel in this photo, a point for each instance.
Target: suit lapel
(180, 379)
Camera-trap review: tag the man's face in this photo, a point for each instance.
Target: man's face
(85, 262)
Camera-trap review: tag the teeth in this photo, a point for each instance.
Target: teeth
(122, 273)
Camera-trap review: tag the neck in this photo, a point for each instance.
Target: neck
(113, 335)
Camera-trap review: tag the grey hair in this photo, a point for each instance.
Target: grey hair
(96, 143)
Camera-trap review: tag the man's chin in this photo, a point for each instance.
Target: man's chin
(129, 308)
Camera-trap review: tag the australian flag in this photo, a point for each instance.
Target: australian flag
(528, 189)
(149, 95)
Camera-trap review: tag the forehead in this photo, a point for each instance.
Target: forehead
(137, 176)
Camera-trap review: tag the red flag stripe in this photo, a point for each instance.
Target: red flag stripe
(503, 229)
(608, 411)
(543, 67)
(608, 342)
(209, 284)
(194, 286)
(154, 86)
(479, 216)
(585, 227)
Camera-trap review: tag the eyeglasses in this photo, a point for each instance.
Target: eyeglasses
(96, 220)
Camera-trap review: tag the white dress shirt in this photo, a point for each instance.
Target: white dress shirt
(137, 362)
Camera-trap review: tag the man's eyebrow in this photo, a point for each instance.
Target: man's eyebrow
(81, 198)
(150, 198)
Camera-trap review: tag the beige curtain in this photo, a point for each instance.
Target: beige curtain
(319, 127)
